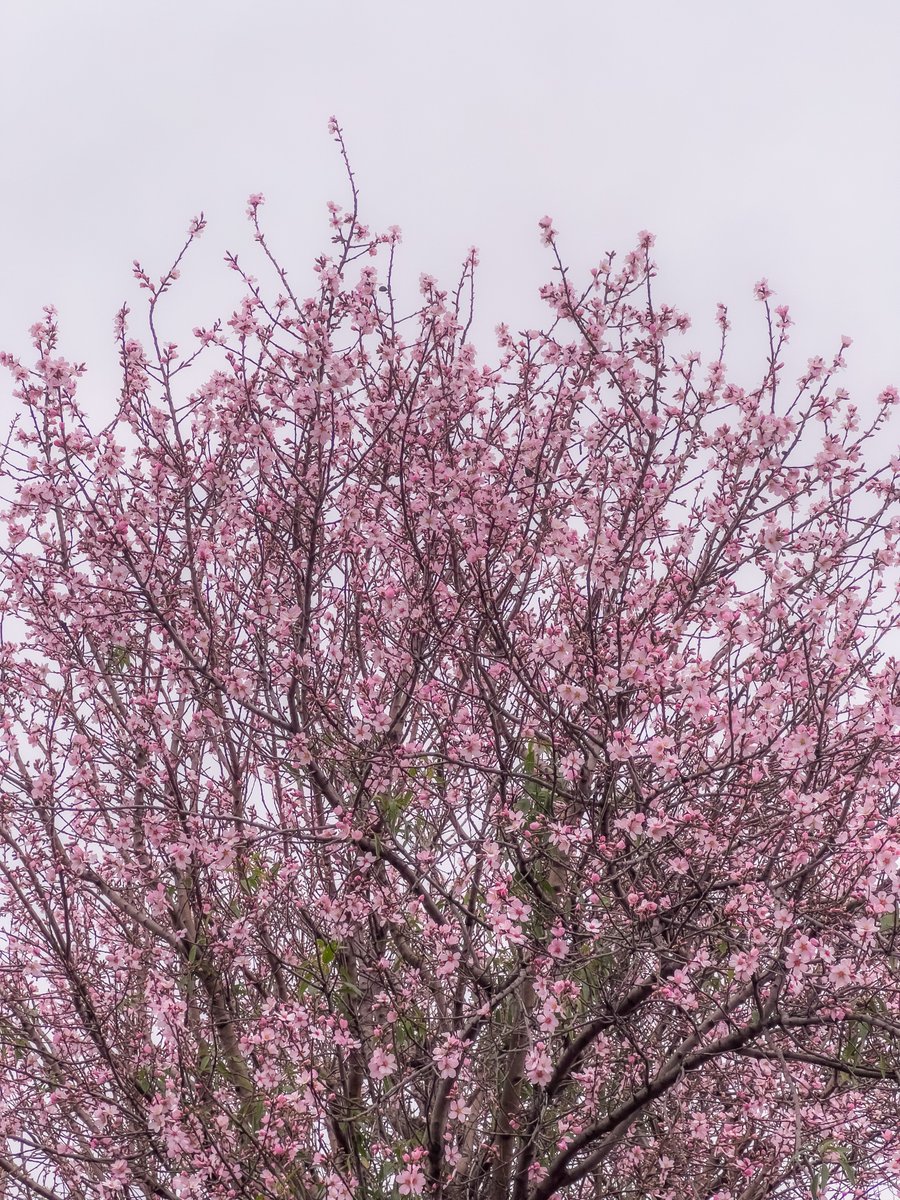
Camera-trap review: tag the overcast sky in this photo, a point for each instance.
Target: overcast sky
(753, 138)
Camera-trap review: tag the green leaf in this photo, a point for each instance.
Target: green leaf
(147, 1084)
(254, 1114)
(348, 987)
(327, 951)
(252, 880)
(393, 807)
(857, 1033)
(848, 1168)
(832, 1150)
(119, 657)
(820, 1179)
(529, 759)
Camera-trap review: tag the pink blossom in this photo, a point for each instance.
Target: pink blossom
(866, 928)
(841, 973)
(548, 233)
(548, 1018)
(180, 855)
(631, 823)
(382, 1064)
(619, 748)
(411, 1180)
(538, 1069)
(558, 948)
(804, 948)
(658, 748)
(744, 964)
(762, 291)
(447, 1058)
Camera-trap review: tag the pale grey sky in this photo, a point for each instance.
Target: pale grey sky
(753, 138)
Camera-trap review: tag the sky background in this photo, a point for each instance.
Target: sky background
(754, 139)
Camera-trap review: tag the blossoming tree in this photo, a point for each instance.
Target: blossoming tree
(421, 776)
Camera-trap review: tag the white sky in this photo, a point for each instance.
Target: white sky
(753, 138)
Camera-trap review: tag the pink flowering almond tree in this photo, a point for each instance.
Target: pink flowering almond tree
(421, 776)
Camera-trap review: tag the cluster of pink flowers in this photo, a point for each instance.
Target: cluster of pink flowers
(444, 775)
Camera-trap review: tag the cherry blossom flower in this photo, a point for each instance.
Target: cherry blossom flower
(447, 1058)
(538, 1069)
(382, 1063)
(558, 947)
(762, 291)
(744, 964)
(411, 1180)
(631, 823)
(841, 973)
